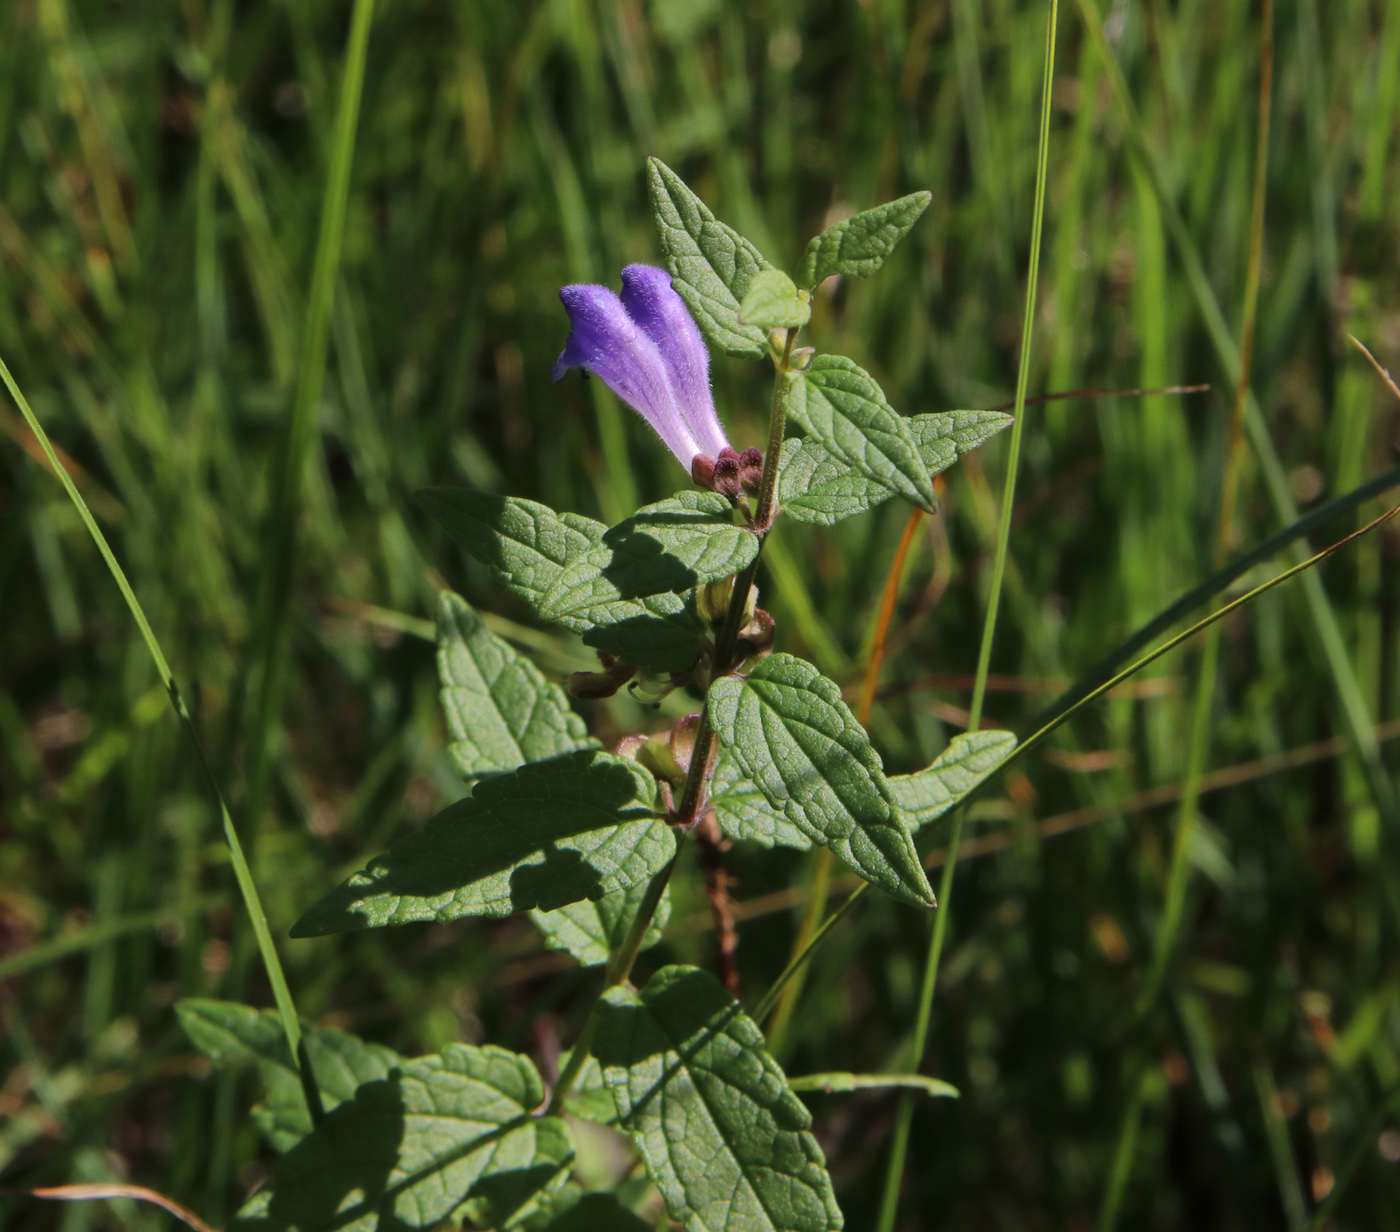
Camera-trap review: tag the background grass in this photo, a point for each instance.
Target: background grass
(162, 167)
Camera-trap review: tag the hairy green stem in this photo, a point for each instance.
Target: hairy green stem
(702, 756)
(619, 969)
(703, 752)
(894, 1174)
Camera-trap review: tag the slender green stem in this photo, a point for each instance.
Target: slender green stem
(777, 426)
(706, 745)
(893, 1176)
(251, 900)
(1188, 816)
(283, 518)
(770, 998)
(1123, 1155)
(1113, 682)
(619, 970)
(703, 752)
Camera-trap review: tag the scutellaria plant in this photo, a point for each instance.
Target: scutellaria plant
(585, 838)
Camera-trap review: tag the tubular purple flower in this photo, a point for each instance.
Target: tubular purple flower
(647, 350)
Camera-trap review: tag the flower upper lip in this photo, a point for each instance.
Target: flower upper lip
(646, 348)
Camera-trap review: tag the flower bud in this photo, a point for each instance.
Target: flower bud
(756, 639)
(702, 471)
(726, 481)
(712, 601)
(751, 469)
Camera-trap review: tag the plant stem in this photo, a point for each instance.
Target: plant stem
(619, 969)
(706, 745)
(770, 998)
(703, 753)
(894, 1175)
(777, 426)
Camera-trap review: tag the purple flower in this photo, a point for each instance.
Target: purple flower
(647, 350)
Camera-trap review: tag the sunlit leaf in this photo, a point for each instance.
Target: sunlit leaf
(790, 733)
(711, 264)
(725, 1140)
(501, 713)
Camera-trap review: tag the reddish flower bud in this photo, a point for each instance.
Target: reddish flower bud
(702, 472)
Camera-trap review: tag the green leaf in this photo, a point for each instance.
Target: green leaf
(410, 1149)
(858, 246)
(724, 1139)
(926, 795)
(773, 302)
(500, 711)
(842, 1083)
(788, 731)
(711, 264)
(592, 931)
(743, 811)
(227, 1032)
(815, 487)
(547, 834)
(839, 404)
(673, 545)
(527, 548)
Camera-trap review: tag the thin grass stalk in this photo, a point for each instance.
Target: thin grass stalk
(281, 531)
(1121, 1169)
(1321, 615)
(823, 859)
(765, 1006)
(895, 1172)
(1290, 1186)
(1188, 816)
(252, 902)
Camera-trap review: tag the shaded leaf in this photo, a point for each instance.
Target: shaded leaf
(597, 1212)
(711, 264)
(816, 487)
(789, 731)
(724, 1139)
(673, 545)
(227, 1032)
(839, 404)
(547, 834)
(969, 758)
(527, 546)
(592, 931)
(772, 302)
(842, 1083)
(409, 1150)
(500, 711)
(856, 247)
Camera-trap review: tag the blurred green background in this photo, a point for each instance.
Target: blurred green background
(161, 173)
